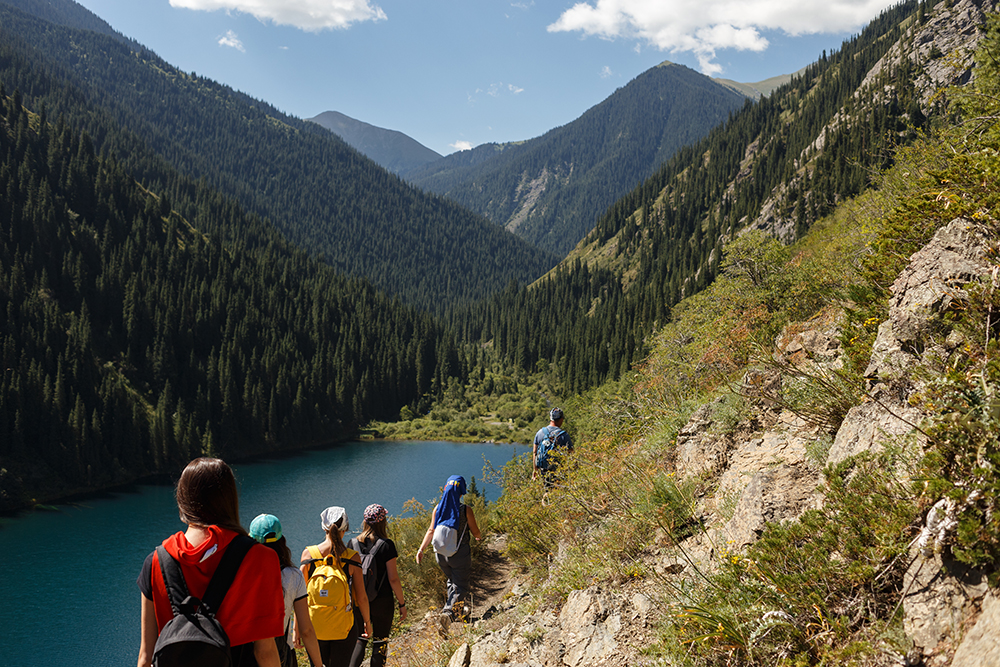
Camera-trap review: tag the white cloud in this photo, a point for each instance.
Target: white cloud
(461, 145)
(606, 72)
(496, 90)
(309, 15)
(231, 40)
(702, 27)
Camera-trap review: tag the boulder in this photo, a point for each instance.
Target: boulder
(870, 425)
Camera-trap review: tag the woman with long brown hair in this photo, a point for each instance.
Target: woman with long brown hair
(374, 540)
(252, 612)
(336, 637)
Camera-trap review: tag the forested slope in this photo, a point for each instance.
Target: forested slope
(319, 192)
(777, 164)
(550, 189)
(134, 337)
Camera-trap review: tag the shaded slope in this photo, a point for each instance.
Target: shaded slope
(135, 338)
(323, 195)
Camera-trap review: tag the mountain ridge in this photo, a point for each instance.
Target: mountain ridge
(321, 193)
(549, 189)
(392, 149)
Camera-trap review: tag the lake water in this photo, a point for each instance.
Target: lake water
(68, 577)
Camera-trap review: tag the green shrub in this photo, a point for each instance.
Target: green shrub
(809, 585)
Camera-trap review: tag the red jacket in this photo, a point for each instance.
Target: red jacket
(253, 608)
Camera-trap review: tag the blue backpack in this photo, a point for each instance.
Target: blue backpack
(547, 446)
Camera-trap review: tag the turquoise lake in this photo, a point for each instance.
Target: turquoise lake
(69, 576)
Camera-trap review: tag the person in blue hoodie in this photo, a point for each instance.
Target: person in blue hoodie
(451, 524)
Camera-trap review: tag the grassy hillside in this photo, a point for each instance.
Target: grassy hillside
(825, 588)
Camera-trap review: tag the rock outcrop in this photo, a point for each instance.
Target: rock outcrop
(767, 468)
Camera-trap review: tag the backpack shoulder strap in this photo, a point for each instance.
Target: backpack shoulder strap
(315, 556)
(463, 520)
(347, 558)
(225, 572)
(173, 579)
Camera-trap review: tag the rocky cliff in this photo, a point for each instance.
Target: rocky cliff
(768, 469)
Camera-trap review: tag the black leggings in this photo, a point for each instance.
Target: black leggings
(338, 653)
(382, 610)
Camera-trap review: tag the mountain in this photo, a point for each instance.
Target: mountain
(393, 150)
(803, 471)
(549, 190)
(141, 330)
(760, 88)
(323, 195)
(777, 165)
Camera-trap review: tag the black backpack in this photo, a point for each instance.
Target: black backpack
(193, 637)
(369, 566)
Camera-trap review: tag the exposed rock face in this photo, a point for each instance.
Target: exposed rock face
(981, 645)
(932, 282)
(940, 593)
(940, 49)
(585, 632)
(699, 450)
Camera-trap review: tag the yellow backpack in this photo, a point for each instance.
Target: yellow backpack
(329, 590)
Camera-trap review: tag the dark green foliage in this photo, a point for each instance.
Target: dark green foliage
(323, 195)
(572, 173)
(134, 338)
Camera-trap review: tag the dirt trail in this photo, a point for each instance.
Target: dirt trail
(427, 639)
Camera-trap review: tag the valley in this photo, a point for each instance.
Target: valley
(773, 332)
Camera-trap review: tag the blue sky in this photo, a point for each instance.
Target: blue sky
(454, 74)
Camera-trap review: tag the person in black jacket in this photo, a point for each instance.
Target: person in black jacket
(374, 539)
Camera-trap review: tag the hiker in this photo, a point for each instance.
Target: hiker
(332, 588)
(266, 529)
(251, 614)
(451, 523)
(550, 439)
(385, 592)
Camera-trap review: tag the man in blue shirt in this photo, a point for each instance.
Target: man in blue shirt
(551, 442)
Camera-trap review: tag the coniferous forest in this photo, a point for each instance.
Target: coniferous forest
(135, 337)
(320, 193)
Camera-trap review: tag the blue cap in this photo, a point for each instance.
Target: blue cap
(556, 414)
(265, 528)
